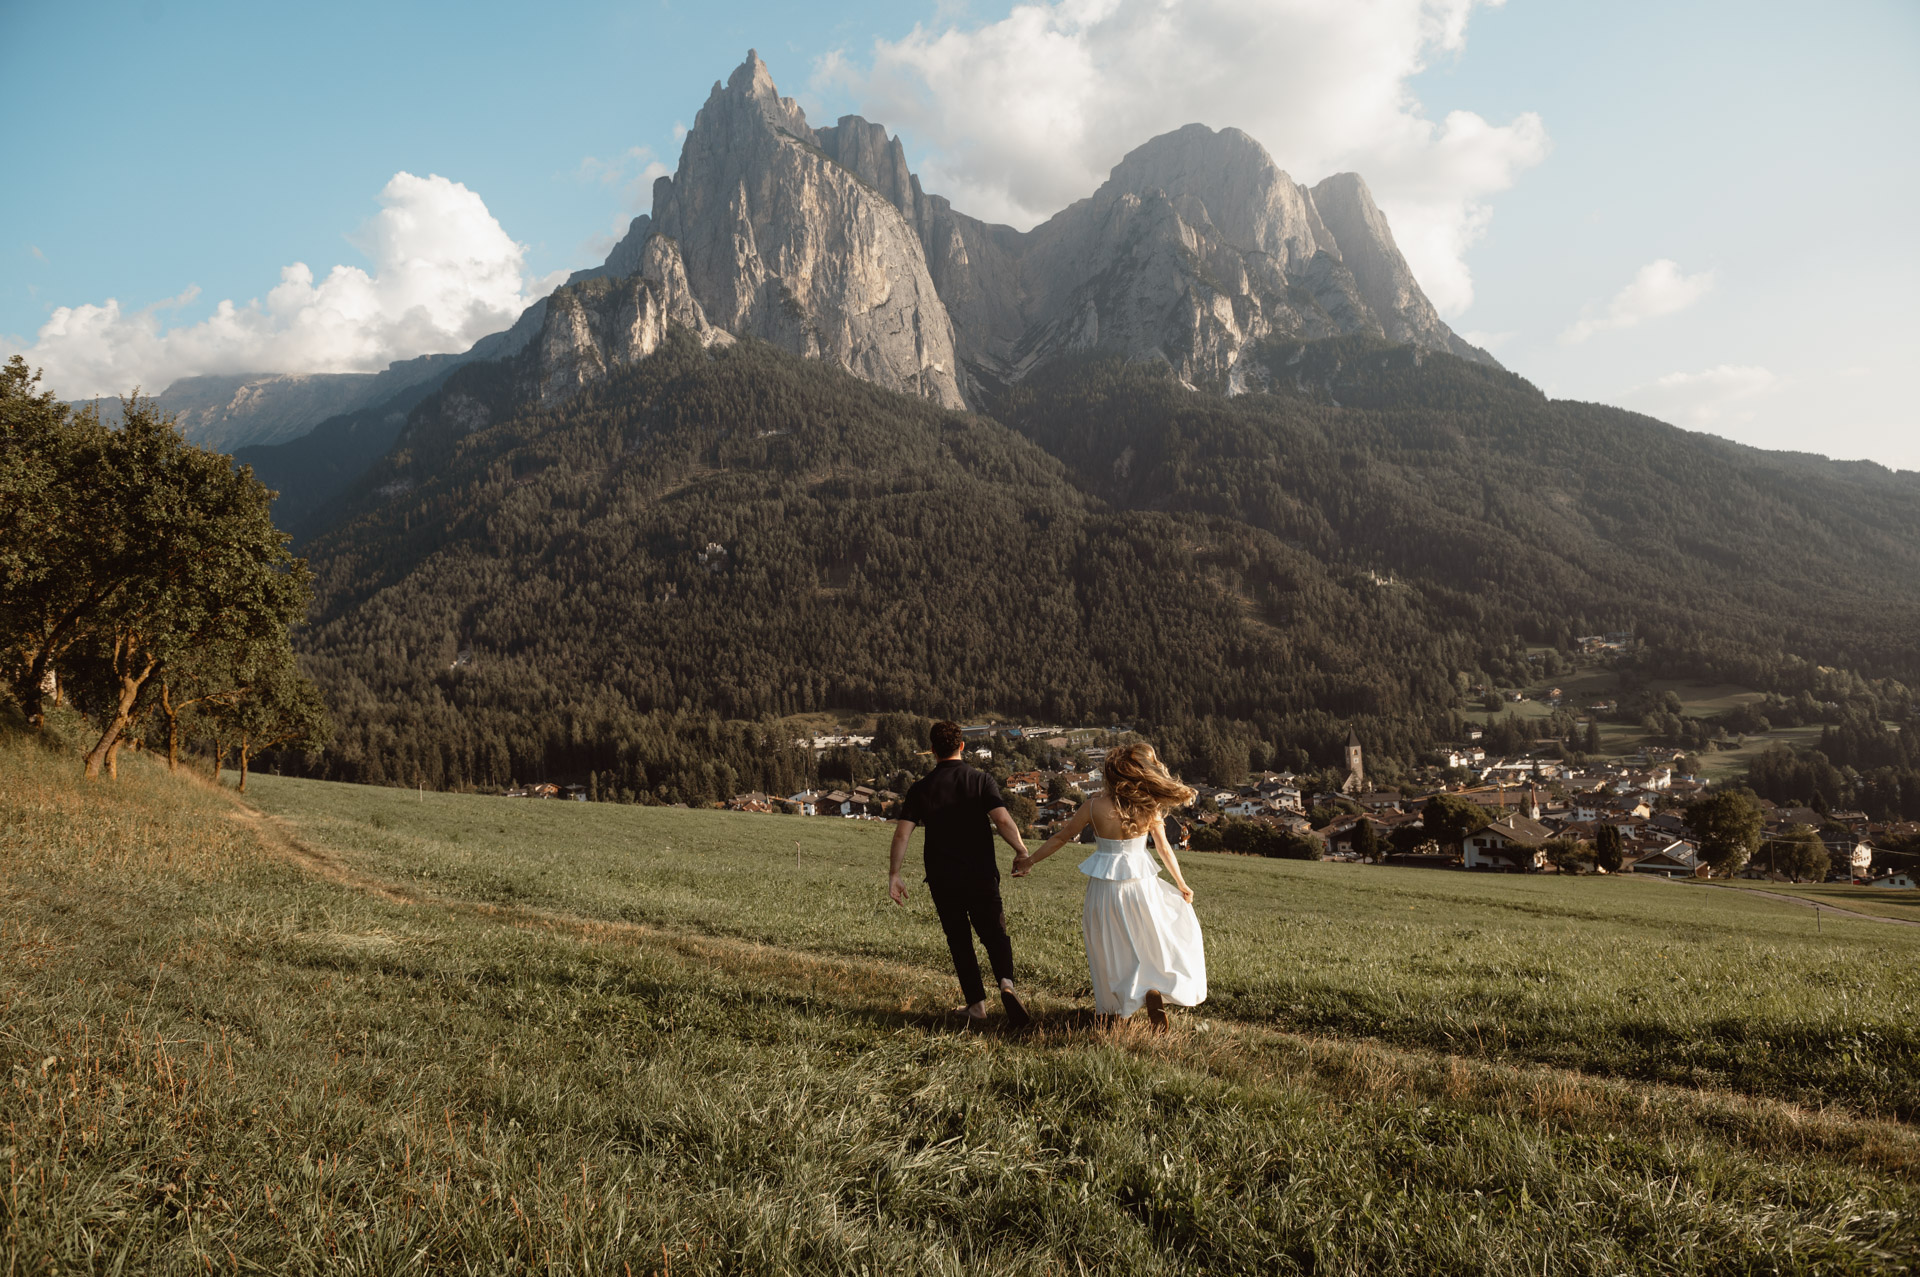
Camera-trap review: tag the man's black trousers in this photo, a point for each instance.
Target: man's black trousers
(966, 908)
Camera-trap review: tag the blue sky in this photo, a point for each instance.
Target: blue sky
(1702, 210)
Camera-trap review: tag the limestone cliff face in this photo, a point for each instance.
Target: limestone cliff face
(760, 232)
(599, 324)
(822, 241)
(783, 243)
(1385, 281)
(1196, 246)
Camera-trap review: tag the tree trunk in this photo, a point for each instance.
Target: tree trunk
(245, 751)
(113, 759)
(173, 726)
(30, 689)
(130, 685)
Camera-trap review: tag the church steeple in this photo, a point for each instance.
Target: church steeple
(1356, 765)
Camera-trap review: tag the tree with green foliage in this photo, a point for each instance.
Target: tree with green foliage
(278, 706)
(1569, 855)
(1023, 810)
(1609, 853)
(135, 554)
(1449, 819)
(1366, 840)
(1800, 855)
(1726, 827)
(212, 568)
(55, 570)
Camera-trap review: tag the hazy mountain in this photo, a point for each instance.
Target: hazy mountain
(821, 241)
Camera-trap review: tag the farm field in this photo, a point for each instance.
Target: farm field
(1880, 901)
(346, 1029)
(1697, 700)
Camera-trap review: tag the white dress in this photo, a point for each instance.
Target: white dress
(1141, 934)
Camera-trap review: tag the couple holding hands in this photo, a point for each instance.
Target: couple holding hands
(1143, 940)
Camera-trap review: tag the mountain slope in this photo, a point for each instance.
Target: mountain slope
(1514, 513)
(739, 531)
(729, 531)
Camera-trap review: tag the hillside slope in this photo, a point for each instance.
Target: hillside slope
(753, 534)
(738, 532)
(373, 1033)
(1511, 513)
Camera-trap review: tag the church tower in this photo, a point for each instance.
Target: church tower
(1356, 768)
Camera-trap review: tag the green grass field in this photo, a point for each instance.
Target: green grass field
(1879, 901)
(1697, 700)
(348, 1029)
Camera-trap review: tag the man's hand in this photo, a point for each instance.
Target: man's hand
(896, 889)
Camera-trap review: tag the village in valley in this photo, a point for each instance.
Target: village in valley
(1466, 809)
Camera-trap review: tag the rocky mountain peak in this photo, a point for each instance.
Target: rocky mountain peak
(1254, 205)
(1196, 247)
(1385, 281)
(769, 236)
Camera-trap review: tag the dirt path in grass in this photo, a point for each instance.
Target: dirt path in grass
(1344, 1069)
(1817, 905)
(280, 840)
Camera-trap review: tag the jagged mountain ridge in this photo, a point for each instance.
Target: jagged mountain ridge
(823, 242)
(1196, 247)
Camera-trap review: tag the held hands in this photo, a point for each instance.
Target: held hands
(1022, 865)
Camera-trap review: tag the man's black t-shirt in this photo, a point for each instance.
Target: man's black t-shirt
(951, 803)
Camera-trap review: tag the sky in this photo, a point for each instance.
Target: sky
(1703, 211)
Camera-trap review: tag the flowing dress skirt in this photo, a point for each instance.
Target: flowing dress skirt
(1141, 935)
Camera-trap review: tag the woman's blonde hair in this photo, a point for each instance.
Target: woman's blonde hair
(1140, 787)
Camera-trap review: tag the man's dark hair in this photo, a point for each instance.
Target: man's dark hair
(947, 738)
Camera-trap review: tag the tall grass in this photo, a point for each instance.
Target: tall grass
(232, 1063)
(1619, 976)
(144, 822)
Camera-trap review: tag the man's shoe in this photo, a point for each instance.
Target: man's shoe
(1017, 1017)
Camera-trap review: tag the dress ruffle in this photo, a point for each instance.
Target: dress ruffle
(1141, 934)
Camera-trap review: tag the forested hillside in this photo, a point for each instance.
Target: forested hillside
(635, 582)
(1513, 514)
(753, 535)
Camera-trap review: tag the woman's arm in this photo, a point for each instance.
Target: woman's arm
(1075, 823)
(1168, 859)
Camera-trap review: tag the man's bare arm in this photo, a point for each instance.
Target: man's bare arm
(896, 856)
(1003, 823)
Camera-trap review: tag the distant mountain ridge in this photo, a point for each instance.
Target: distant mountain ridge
(823, 242)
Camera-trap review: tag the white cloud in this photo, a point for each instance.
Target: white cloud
(444, 275)
(1657, 289)
(1720, 395)
(1021, 116)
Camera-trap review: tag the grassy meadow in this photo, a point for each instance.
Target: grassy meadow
(356, 1030)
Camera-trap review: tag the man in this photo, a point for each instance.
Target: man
(960, 807)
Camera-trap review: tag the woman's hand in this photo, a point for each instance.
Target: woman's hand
(1186, 892)
(1022, 865)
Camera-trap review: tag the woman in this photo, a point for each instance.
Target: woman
(1143, 940)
